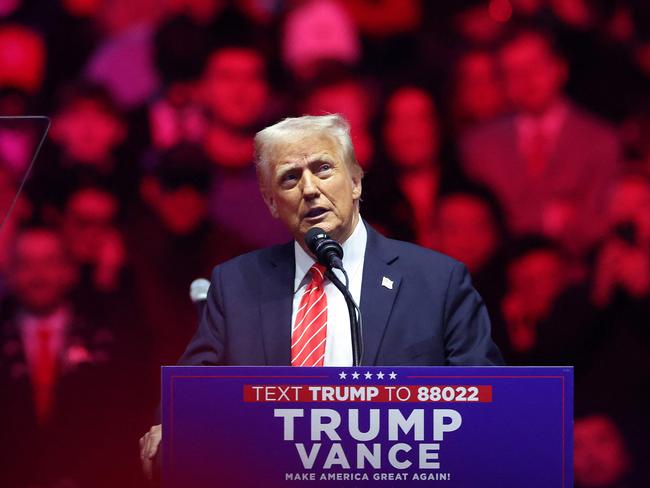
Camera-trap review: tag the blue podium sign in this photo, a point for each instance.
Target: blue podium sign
(386, 426)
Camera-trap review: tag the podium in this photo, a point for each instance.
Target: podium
(466, 427)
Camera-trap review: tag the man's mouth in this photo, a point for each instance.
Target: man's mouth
(315, 212)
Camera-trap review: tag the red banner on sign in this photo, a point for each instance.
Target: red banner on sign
(368, 393)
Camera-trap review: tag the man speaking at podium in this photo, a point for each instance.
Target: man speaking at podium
(275, 307)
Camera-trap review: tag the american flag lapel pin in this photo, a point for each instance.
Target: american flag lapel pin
(387, 283)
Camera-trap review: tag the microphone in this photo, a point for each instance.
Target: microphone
(328, 252)
(199, 294)
(199, 290)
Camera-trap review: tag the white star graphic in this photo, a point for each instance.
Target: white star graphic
(392, 375)
(355, 376)
(380, 376)
(368, 375)
(343, 375)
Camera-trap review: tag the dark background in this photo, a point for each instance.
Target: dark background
(512, 135)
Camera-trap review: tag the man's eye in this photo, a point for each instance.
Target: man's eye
(288, 178)
(325, 167)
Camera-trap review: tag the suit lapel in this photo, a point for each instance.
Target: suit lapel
(380, 286)
(276, 303)
(379, 289)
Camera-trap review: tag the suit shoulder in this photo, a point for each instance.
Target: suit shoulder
(252, 259)
(418, 257)
(596, 129)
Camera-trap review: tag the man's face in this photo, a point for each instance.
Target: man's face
(22, 58)
(40, 274)
(88, 218)
(182, 210)
(309, 185)
(466, 230)
(478, 90)
(87, 132)
(411, 128)
(537, 278)
(600, 455)
(235, 86)
(534, 75)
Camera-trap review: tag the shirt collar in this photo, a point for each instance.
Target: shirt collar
(550, 122)
(56, 321)
(354, 249)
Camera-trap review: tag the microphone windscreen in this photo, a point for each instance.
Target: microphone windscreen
(199, 290)
(312, 237)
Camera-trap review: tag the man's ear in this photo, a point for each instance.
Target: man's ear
(269, 200)
(357, 176)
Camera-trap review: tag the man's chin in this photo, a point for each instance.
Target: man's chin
(337, 230)
(327, 225)
(324, 221)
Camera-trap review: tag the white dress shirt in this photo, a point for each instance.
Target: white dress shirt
(338, 346)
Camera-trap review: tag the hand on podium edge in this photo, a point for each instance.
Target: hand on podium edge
(149, 445)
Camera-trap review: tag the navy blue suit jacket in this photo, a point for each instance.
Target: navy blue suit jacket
(431, 316)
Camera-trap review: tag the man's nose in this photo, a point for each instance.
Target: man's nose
(310, 186)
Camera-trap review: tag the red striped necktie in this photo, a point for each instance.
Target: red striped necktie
(310, 330)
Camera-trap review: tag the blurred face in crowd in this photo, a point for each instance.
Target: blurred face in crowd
(22, 58)
(629, 206)
(536, 278)
(350, 100)
(181, 210)
(600, 457)
(87, 222)
(235, 86)
(309, 184)
(40, 275)
(466, 230)
(477, 24)
(576, 13)
(87, 132)
(411, 131)
(534, 75)
(479, 93)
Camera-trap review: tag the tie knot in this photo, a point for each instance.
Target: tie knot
(317, 274)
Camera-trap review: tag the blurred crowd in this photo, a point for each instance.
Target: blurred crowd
(513, 135)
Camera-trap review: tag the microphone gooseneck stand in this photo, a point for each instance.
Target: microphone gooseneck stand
(353, 311)
(329, 253)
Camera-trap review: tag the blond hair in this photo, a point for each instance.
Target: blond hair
(288, 130)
